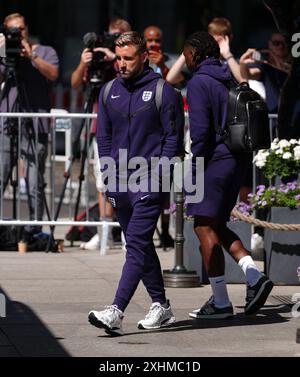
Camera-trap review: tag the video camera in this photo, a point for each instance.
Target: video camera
(13, 46)
(98, 64)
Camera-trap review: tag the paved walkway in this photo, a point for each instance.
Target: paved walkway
(49, 295)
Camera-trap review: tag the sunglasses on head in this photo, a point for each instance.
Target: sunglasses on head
(278, 43)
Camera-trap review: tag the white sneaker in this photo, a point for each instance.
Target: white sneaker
(109, 319)
(157, 317)
(92, 244)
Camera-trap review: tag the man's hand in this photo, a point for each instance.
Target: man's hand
(26, 51)
(109, 55)
(247, 58)
(86, 56)
(225, 47)
(157, 58)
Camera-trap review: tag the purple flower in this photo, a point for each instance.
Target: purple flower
(284, 190)
(297, 197)
(261, 187)
(172, 208)
(244, 208)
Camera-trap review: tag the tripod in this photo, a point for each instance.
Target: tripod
(92, 96)
(14, 91)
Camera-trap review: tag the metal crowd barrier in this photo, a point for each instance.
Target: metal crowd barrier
(57, 123)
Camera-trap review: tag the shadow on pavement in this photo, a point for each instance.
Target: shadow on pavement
(23, 334)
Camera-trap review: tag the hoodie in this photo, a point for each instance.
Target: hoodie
(130, 119)
(207, 97)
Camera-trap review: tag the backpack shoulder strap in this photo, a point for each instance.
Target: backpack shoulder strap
(107, 90)
(159, 93)
(222, 132)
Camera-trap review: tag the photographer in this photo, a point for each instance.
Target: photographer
(88, 71)
(271, 66)
(33, 67)
(80, 75)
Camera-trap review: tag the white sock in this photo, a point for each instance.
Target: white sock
(250, 270)
(219, 289)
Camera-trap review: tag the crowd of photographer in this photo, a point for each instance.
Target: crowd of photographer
(28, 70)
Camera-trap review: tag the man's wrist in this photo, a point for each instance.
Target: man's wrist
(33, 55)
(229, 57)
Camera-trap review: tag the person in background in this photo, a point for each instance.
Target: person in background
(38, 68)
(157, 58)
(271, 66)
(221, 30)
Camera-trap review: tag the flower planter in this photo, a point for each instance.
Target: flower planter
(193, 257)
(283, 247)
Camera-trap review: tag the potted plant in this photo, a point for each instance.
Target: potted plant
(282, 247)
(282, 159)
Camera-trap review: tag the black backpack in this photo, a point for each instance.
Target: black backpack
(247, 127)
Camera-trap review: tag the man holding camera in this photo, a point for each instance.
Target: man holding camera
(80, 75)
(26, 73)
(271, 66)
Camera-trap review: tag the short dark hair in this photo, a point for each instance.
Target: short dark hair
(132, 38)
(204, 46)
(120, 24)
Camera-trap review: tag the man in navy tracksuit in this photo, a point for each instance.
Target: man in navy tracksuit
(129, 119)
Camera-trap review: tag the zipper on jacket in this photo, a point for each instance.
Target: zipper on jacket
(129, 126)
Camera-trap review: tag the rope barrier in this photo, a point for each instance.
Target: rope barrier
(265, 224)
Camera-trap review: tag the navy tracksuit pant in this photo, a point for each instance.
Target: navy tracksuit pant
(138, 218)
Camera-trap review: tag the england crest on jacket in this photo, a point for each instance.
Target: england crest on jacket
(147, 96)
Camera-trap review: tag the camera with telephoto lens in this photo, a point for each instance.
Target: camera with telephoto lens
(98, 64)
(13, 46)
